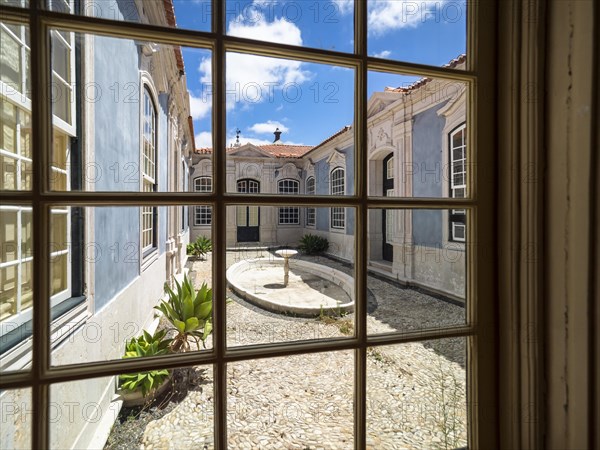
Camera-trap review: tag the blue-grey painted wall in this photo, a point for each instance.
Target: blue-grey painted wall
(322, 177)
(117, 145)
(427, 178)
(322, 188)
(162, 166)
(349, 152)
(114, 9)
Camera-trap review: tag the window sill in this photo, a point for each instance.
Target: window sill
(149, 258)
(18, 357)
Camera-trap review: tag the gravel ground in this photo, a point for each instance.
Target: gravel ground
(415, 392)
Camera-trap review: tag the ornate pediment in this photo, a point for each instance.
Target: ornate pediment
(248, 151)
(336, 158)
(379, 101)
(380, 136)
(288, 170)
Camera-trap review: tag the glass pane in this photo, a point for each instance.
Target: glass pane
(135, 126)
(8, 137)
(288, 120)
(328, 25)
(195, 15)
(427, 32)
(9, 172)
(58, 274)
(316, 298)
(17, 415)
(303, 401)
(417, 395)
(127, 281)
(11, 58)
(15, 145)
(415, 124)
(16, 3)
(16, 286)
(417, 270)
(115, 413)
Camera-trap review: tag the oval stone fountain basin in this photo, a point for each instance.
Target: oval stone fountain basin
(312, 288)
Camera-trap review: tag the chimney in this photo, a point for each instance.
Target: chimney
(277, 134)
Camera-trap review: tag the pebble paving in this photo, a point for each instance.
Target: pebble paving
(415, 391)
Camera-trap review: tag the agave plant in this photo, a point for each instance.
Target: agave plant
(189, 312)
(200, 247)
(145, 345)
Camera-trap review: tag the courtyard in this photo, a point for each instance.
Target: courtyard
(415, 391)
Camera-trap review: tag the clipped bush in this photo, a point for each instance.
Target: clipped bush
(312, 244)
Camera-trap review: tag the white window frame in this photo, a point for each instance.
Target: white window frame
(457, 227)
(289, 215)
(23, 105)
(148, 181)
(389, 168)
(311, 213)
(203, 211)
(337, 186)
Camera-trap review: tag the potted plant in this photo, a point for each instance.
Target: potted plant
(138, 388)
(189, 312)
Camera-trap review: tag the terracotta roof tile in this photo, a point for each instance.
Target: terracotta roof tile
(286, 151)
(332, 137)
(275, 150)
(460, 59)
(282, 150)
(170, 16)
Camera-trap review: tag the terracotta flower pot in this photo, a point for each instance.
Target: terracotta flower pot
(136, 398)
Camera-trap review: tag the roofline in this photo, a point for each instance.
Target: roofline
(329, 139)
(169, 8)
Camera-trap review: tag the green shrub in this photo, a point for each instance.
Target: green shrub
(312, 244)
(199, 247)
(145, 345)
(189, 312)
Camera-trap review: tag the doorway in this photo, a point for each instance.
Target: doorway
(387, 220)
(248, 216)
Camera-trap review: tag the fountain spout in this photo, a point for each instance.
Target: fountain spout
(286, 254)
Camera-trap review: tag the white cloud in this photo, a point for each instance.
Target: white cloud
(253, 79)
(383, 54)
(203, 139)
(257, 141)
(268, 127)
(344, 6)
(200, 107)
(389, 15)
(280, 30)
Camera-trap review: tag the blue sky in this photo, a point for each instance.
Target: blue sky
(307, 101)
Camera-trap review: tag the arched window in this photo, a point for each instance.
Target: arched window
(458, 180)
(338, 187)
(289, 215)
(149, 213)
(310, 212)
(203, 214)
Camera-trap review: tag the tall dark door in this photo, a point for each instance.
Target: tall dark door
(248, 217)
(387, 227)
